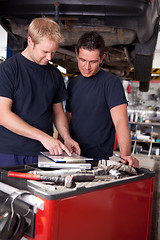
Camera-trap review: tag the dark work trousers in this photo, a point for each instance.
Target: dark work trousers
(12, 160)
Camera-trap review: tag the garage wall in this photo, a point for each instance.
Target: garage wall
(3, 43)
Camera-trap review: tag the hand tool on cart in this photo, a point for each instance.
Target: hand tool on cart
(120, 167)
(99, 173)
(129, 169)
(66, 181)
(59, 172)
(65, 172)
(113, 169)
(119, 156)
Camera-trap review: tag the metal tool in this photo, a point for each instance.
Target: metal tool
(115, 173)
(119, 156)
(60, 172)
(83, 177)
(66, 172)
(67, 181)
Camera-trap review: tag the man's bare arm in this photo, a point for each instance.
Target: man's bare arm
(14, 123)
(120, 120)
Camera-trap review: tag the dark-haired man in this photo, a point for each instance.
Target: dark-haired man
(97, 106)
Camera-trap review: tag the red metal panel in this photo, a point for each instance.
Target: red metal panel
(120, 212)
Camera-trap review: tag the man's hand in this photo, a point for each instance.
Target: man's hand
(72, 145)
(133, 162)
(54, 146)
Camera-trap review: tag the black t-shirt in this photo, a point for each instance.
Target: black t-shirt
(90, 101)
(33, 89)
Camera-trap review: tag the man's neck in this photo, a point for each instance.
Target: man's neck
(26, 54)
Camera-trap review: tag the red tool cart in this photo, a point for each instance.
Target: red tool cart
(103, 209)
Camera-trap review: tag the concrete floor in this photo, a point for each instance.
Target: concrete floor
(152, 163)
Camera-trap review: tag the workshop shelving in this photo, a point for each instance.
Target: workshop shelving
(151, 141)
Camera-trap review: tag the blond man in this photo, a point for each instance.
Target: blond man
(31, 95)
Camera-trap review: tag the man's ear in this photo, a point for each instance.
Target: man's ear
(101, 61)
(30, 42)
(76, 53)
(102, 58)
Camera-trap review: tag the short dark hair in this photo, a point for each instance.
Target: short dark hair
(91, 41)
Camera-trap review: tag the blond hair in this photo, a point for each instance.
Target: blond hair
(44, 27)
